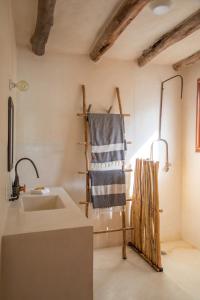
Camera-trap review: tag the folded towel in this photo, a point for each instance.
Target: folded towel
(107, 188)
(107, 137)
(107, 179)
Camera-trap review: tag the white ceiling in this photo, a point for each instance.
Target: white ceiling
(77, 23)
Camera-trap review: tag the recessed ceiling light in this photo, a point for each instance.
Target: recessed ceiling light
(160, 7)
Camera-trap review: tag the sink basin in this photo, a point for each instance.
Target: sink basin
(41, 202)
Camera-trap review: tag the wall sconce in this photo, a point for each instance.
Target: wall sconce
(21, 85)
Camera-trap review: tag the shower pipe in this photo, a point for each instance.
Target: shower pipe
(160, 139)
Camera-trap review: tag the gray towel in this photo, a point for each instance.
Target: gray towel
(107, 180)
(107, 137)
(107, 188)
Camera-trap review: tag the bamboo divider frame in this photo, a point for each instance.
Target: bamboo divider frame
(145, 212)
(84, 114)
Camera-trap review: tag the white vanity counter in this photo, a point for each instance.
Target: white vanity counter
(20, 221)
(47, 249)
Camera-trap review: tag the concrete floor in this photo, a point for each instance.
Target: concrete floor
(133, 279)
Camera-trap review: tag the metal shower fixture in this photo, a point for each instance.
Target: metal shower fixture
(160, 139)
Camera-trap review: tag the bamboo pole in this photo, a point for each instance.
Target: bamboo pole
(142, 230)
(140, 208)
(86, 151)
(85, 202)
(123, 208)
(136, 212)
(124, 232)
(151, 212)
(119, 100)
(83, 172)
(154, 259)
(136, 205)
(85, 115)
(149, 207)
(146, 210)
(114, 230)
(83, 143)
(157, 219)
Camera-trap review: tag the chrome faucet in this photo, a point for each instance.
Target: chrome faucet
(16, 188)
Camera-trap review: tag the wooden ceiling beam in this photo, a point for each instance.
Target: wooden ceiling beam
(187, 61)
(181, 31)
(119, 20)
(44, 22)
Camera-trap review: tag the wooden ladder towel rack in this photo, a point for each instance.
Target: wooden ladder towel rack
(84, 114)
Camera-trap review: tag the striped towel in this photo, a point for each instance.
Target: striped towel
(107, 137)
(107, 180)
(108, 188)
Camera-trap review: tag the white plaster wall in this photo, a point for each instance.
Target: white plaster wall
(48, 129)
(7, 71)
(191, 161)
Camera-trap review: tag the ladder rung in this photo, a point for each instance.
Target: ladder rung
(85, 202)
(83, 172)
(85, 115)
(113, 230)
(84, 143)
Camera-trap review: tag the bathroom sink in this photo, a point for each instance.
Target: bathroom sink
(41, 202)
(40, 239)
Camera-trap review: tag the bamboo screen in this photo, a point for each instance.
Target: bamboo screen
(145, 216)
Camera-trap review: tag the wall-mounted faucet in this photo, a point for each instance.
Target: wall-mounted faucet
(16, 188)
